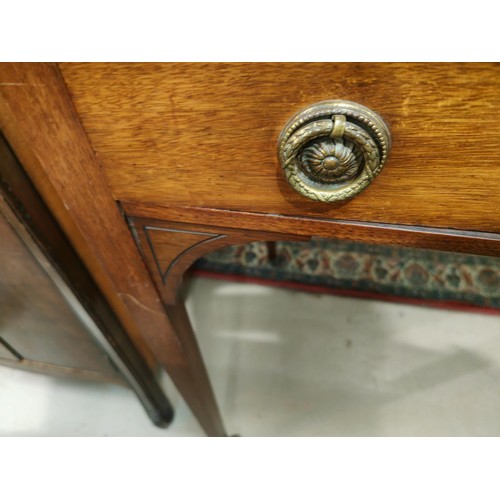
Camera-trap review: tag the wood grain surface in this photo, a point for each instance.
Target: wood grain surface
(472, 242)
(169, 248)
(39, 231)
(39, 121)
(205, 135)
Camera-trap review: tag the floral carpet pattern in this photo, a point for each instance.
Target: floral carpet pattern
(389, 270)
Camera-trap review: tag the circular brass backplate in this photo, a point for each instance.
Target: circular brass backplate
(333, 150)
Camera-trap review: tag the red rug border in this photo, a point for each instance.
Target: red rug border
(305, 287)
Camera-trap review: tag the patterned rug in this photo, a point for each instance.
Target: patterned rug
(386, 272)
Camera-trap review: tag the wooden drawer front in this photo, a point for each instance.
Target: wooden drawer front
(206, 135)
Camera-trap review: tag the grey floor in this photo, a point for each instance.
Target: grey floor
(285, 363)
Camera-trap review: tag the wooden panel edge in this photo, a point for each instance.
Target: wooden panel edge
(37, 137)
(479, 243)
(40, 122)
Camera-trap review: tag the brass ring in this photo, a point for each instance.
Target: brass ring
(333, 150)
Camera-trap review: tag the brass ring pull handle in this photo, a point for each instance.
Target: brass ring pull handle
(332, 150)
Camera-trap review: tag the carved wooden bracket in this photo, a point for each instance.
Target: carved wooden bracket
(169, 248)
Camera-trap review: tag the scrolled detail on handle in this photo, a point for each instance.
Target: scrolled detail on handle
(332, 151)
